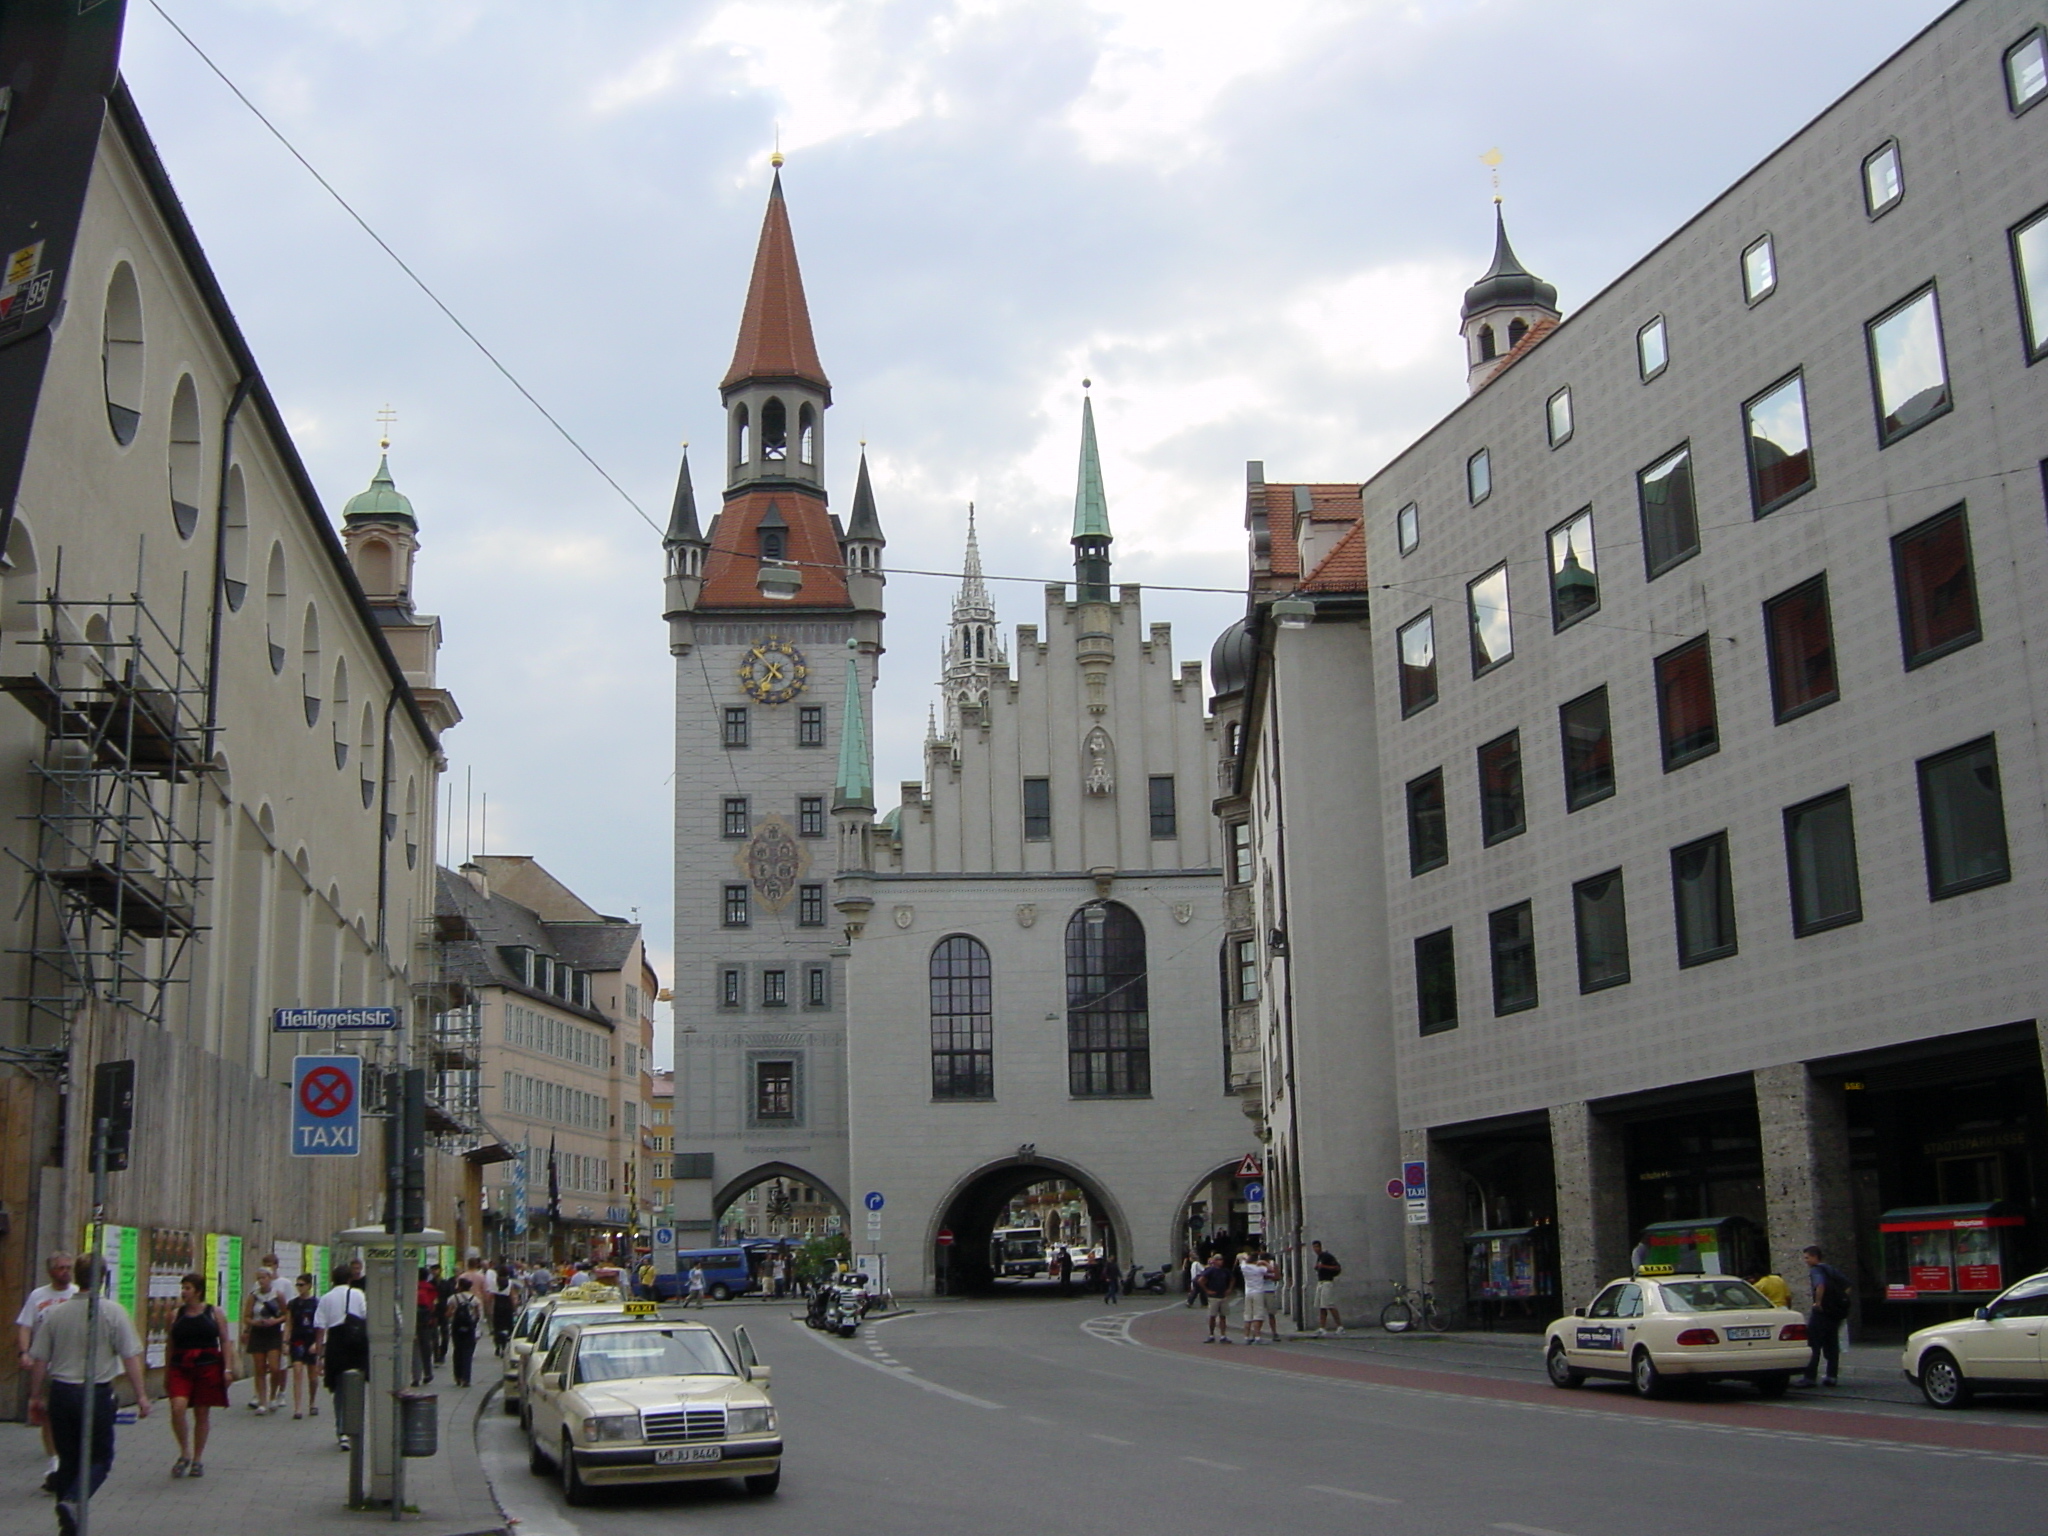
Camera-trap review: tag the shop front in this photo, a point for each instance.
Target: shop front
(1499, 1179)
(1692, 1155)
(1953, 1258)
(1511, 1277)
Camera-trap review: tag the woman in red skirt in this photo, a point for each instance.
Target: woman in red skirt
(196, 1373)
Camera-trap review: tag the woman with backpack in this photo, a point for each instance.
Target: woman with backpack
(465, 1320)
(196, 1373)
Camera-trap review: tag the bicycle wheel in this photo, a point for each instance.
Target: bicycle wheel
(1438, 1319)
(1397, 1317)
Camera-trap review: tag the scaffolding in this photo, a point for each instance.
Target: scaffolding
(116, 854)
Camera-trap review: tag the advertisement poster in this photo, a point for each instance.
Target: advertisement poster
(1977, 1266)
(170, 1260)
(318, 1266)
(1929, 1262)
(291, 1261)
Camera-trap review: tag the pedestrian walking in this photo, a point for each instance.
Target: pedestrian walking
(1112, 1281)
(1194, 1278)
(502, 1306)
(40, 1300)
(302, 1345)
(465, 1320)
(1063, 1270)
(196, 1373)
(1824, 1322)
(57, 1393)
(1257, 1278)
(1327, 1271)
(696, 1285)
(341, 1324)
(263, 1320)
(426, 1325)
(1214, 1283)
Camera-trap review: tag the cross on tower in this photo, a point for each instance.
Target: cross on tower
(384, 419)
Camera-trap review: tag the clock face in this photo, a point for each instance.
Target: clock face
(774, 671)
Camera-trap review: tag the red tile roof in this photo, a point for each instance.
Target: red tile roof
(1327, 504)
(775, 328)
(731, 565)
(1343, 568)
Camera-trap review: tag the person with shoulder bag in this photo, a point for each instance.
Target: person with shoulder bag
(196, 1373)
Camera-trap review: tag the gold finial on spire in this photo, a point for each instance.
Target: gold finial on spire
(1087, 383)
(384, 418)
(775, 159)
(1491, 160)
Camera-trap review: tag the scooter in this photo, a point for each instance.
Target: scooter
(848, 1305)
(1153, 1280)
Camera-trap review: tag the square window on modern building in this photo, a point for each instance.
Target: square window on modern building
(2030, 273)
(1501, 814)
(1245, 970)
(1908, 370)
(1479, 477)
(1686, 720)
(737, 909)
(1511, 935)
(774, 1090)
(731, 987)
(1240, 837)
(810, 725)
(1416, 642)
(1703, 900)
(1962, 815)
(2026, 71)
(810, 906)
(735, 734)
(1588, 749)
(1160, 802)
(1436, 983)
(1408, 528)
(1800, 640)
(810, 815)
(774, 989)
(1557, 416)
(736, 819)
(1671, 525)
(1759, 270)
(1820, 862)
(1780, 450)
(814, 986)
(1883, 184)
(1653, 349)
(1600, 924)
(1038, 810)
(1937, 588)
(1429, 841)
(1574, 571)
(1492, 625)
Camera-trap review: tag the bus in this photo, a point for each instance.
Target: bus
(1016, 1253)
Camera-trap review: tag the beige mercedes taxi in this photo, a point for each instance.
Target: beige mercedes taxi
(641, 1398)
(535, 1329)
(1650, 1329)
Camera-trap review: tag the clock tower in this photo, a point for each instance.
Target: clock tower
(766, 608)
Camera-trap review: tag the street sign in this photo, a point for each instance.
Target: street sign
(294, 1021)
(327, 1106)
(1415, 1189)
(1249, 1168)
(1254, 1193)
(1395, 1189)
(945, 1237)
(873, 1200)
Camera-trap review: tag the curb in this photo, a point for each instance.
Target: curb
(473, 1466)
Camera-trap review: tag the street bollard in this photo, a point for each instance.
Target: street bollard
(348, 1403)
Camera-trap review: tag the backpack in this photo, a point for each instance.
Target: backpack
(1841, 1296)
(1328, 1268)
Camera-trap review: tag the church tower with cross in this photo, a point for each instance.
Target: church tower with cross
(772, 604)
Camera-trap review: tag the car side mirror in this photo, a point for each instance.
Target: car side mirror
(1983, 1314)
(552, 1380)
(1578, 1311)
(758, 1375)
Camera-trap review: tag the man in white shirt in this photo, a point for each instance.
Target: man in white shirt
(40, 1300)
(1257, 1279)
(341, 1325)
(58, 1388)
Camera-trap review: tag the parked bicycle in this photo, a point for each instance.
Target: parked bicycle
(1410, 1309)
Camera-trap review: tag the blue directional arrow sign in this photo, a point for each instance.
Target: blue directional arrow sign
(1254, 1194)
(327, 1106)
(874, 1200)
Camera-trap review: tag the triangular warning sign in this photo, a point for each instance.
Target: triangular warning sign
(1249, 1168)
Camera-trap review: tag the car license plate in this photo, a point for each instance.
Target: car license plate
(677, 1455)
(1748, 1333)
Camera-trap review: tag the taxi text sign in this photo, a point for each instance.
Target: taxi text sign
(327, 1106)
(293, 1021)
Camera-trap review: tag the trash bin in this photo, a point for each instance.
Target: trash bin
(419, 1420)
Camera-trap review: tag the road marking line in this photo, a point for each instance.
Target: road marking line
(1527, 1530)
(1032, 1418)
(1220, 1466)
(1352, 1493)
(1112, 1440)
(900, 1373)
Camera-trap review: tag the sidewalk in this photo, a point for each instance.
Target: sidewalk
(263, 1472)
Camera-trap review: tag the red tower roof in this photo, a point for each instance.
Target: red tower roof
(775, 329)
(732, 567)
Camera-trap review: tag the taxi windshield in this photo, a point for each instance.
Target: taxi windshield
(619, 1354)
(1713, 1296)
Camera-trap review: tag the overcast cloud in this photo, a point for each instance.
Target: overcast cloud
(1250, 225)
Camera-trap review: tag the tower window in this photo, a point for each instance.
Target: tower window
(1109, 1047)
(810, 908)
(1038, 810)
(735, 725)
(740, 445)
(774, 432)
(962, 1017)
(810, 816)
(1517, 329)
(810, 725)
(1488, 351)
(771, 544)
(1165, 819)
(807, 436)
(737, 912)
(735, 816)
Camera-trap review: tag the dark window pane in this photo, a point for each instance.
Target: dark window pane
(774, 989)
(735, 906)
(1820, 861)
(1479, 476)
(1685, 704)
(1512, 934)
(810, 906)
(1907, 367)
(1671, 528)
(1780, 451)
(1493, 633)
(1703, 899)
(1574, 571)
(1240, 853)
(1246, 962)
(1429, 843)
(1109, 1042)
(963, 1020)
(1937, 591)
(1436, 983)
(1588, 749)
(1600, 919)
(1037, 810)
(735, 816)
(814, 986)
(810, 726)
(729, 990)
(810, 816)
(736, 726)
(1801, 642)
(1417, 641)
(1165, 821)
(1962, 812)
(1500, 788)
(2030, 272)
(775, 1090)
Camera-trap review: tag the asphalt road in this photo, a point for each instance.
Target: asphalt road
(1003, 1416)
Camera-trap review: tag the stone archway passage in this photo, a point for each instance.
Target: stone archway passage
(983, 1203)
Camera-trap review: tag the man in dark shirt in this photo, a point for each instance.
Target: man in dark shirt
(1214, 1283)
(1824, 1322)
(1327, 1271)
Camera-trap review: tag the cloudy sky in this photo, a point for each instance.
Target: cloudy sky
(1249, 224)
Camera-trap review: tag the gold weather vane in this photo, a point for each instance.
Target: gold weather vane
(776, 158)
(384, 419)
(1491, 160)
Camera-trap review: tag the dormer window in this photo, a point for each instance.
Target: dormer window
(774, 432)
(771, 544)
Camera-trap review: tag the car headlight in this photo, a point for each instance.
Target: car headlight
(750, 1421)
(612, 1426)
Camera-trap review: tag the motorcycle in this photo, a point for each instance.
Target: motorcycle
(1153, 1280)
(837, 1306)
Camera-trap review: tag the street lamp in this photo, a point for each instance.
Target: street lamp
(1294, 612)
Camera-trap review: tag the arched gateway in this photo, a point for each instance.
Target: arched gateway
(982, 1202)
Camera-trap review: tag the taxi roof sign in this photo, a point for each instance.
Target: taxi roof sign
(641, 1309)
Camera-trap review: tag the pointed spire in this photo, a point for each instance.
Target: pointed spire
(973, 590)
(864, 525)
(931, 724)
(775, 340)
(1091, 504)
(854, 789)
(1507, 282)
(682, 517)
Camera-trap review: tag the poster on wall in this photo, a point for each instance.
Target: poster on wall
(1930, 1262)
(223, 1269)
(1977, 1261)
(291, 1261)
(170, 1260)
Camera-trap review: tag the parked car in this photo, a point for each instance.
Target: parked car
(1700, 1327)
(2002, 1347)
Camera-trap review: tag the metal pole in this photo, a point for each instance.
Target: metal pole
(394, 1143)
(348, 1402)
(92, 1324)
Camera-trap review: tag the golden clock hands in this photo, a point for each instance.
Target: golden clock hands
(774, 672)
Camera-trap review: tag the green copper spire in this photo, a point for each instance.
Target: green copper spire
(1091, 505)
(382, 502)
(855, 787)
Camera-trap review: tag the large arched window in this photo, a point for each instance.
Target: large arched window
(963, 1030)
(1109, 1042)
